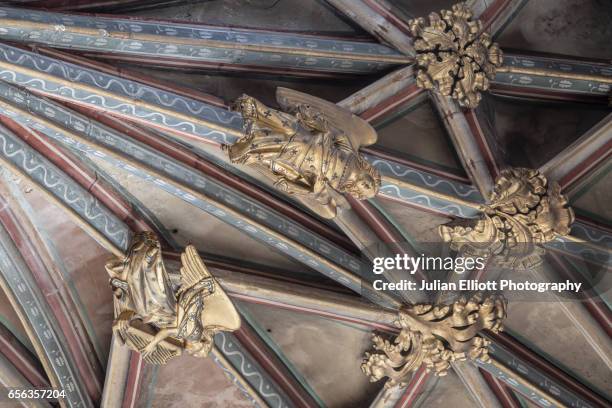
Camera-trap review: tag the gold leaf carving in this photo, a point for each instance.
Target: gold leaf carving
(161, 321)
(310, 150)
(524, 211)
(435, 335)
(454, 57)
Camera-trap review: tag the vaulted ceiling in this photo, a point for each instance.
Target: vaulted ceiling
(73, 192)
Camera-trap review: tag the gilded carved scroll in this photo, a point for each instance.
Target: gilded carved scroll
(434, 335)
(525, 211)
(159, 319)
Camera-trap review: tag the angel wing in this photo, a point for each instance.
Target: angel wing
(219, 312)
(359, 132)
(193, 269)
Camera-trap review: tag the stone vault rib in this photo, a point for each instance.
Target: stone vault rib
(89, 137)
(174, 44)
(260, 386)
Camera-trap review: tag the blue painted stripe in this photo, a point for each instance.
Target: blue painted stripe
(196, 42)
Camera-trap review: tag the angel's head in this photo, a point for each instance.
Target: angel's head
(246, 105)
(148, 247)
(144, 253)
(367, 186)
(364, 184)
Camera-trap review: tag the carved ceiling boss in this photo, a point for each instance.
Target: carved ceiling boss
(159, 320)
(310, 150)
(435, 335)
(524, 211)
(454, 56)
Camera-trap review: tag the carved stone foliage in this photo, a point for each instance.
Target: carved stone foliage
(435, 335)
(454, 56)
(159, 319)
(310, 150)
(524, 211)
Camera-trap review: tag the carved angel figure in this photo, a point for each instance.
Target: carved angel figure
(157, 319)
(311, 152)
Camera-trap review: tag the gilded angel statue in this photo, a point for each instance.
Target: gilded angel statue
(311, 150)
(160, 319)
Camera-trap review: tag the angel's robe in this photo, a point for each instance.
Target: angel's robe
(149, 291)
(305, 156)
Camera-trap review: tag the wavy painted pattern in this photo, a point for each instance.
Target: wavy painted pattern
(424, 201)
(251, 371)
(421, 178)
(111, 92)
(591, 234)
(400, 190)
(253, 214)
(534, 376)
(63, 188)
(235, 381)
(598, 253)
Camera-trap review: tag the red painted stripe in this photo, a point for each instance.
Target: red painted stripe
(493, 12)
(583, 168)
(58, 302)
(526, 354)
(382, 228)
(70, 165)
(273, 366)
(190, 159)
(485, 150)
(506, 397)
(596, 307)
(21, 359)
(399, 98)
(389, 16)
(134, 381)
(601, 312)
(115, 203)
(418, 381)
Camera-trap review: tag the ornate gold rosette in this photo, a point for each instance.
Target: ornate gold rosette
(454, 56)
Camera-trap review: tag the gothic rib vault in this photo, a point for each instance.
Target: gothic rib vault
(392, 133)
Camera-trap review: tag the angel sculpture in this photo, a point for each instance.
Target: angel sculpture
(160, 319)
(312, 152)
